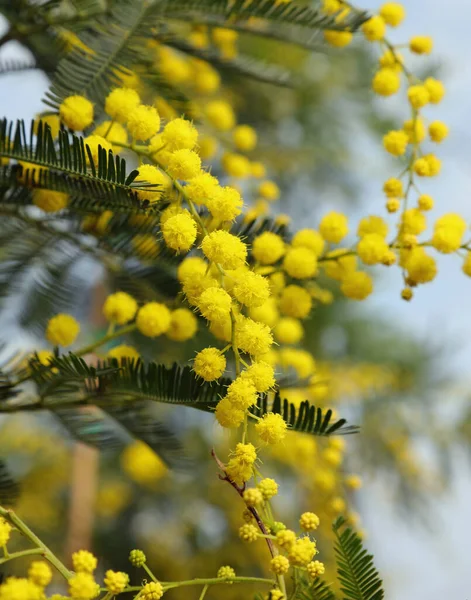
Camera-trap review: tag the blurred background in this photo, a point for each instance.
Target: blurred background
(398, 369)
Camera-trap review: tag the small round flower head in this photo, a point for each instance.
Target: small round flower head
(253, 337)
(215, 304)
(309, 521)
(391, 60)
(261, 374)
(271, 428)
(415, 130)
(191, 266)
(184, 164)
(315, 569)
(309, 238)
(372, 224)
(248, 533)
(268, 487)
(386, 82)
(269, 190)
(53, 121)
(393, 188)
(241, 393)
(438, 131)
(123, 351)
(209, 364)
(285, 538)
(180, 232)
(152, 591)
(395, 142)
(202, 188)
(151, 174)
(120, 308)
(240, 466)
(137, 558)
(268, 248)
(94, 142)
(143, 122)
(76, 112)
(333, 227)
(253, 497)
(372, 248)
(338, 39)
(50, 201)
(436, 90)
(220, 114)
(302, 551)
(421, 167)
(40, 573)
(466, 267)
(236, 165)
(226, 572)
(418, 95)
(224, 248)
(278, 526)
(228, 415)
(62, 330)
(288, 331)
(448, 233)
(374, 29)
(194, 286)
(120, 103)
(354, 482)
(116, 581)
(300, 263)
(393, 13)
(425, 202)
(251, 289)
(421, 44)
(421, 268)
(179, 134)
(279, 565)
(183, 325)
(82, 586)
(357, 285)
(295, 301)
(20, 588)
(113, 132)
(84, 561)
(153, 319)
(245, 138)
(208, 146)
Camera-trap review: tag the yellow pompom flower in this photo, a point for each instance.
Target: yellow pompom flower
(393, 13)
(76, 112)
(288, 331)
(415, 130)
(50, 201)
(418, 95)
(94, 142)
(340, 264)
(436, 90)
(245, 138)
(226, 572)
(248, 533)
(413, 222)
(421, 44)
(202, 188)
(183, 325)
(40, 573)
(253, 337)
(391, 60)
(333, 227)
(137, 558)
(123, 351)
(180, 232)
(266, 313)
(113, 132)
(225, 204)
(82, 586)
(184, 164)
(240, 466)
(153, 319)
(302, 551)
(295, 301)
(179, 134)
(393, 188)
(151, 174)
(251, 289)
(120, 308)
(52, 120)
(5, 530)
(466, 268)
(372, 249)
(271, 428)
(120, 103)
(152, 591)
(269, 190)
(421, 268)
(425, 202)
(395, 142)
(357, 285)
(220, 114)
(261, 374)
(143, 122)
(228, 415)
(338, 39)
(448, 233)
(142, 464)
(421, 167)
(224, 248)
(116, 581)
(258, 169)
(386, 82)
(374, 29)
(285, 538)
(279, 565)
(434, 164)
(309, 238)
(209, 364)
(191, 266)
(268, 248)
(19, 588)
(309, 521)
(194, 286)
(268, 488)
(438, 131)
(236, 165)
(315, 569)
(62, 330)
(241, 393)
(215, 304)
(83, 561)
(300, 263)
(372, 224)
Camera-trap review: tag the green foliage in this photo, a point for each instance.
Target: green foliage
(357, 574)
(9, 488)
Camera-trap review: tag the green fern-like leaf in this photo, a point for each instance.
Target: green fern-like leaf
(359, 579)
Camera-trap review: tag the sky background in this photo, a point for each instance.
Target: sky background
(416, 564)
